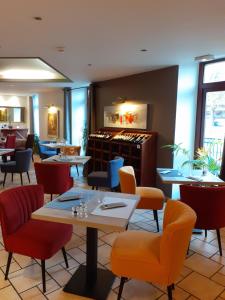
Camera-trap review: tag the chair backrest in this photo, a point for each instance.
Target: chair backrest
(23, 159)
(113, 170)
(127, 180)
(53, 176)
(71, 150)
(17, 205)
(207, 202)
(179, 220)
(43, 148)
(10, 142)
(30, 141)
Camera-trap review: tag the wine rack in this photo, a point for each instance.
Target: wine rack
(137, 147)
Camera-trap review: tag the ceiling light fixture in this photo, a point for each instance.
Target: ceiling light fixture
(144, 50)
(89, 65)
(203, 58)
(26, 74)
(37, 18)
(60, 49)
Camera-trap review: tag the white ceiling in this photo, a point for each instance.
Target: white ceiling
(109, 34)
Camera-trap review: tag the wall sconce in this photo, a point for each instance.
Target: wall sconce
(119, 100)
(52, 109)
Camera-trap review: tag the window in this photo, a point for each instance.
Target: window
(36, 114)
(210, 123)
(79, 116)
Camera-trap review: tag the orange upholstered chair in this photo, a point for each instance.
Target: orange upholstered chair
(151, 198)
(153, 257)
(71, 150)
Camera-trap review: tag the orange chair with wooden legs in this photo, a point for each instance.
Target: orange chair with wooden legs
(151, 198)
(153, 257)
(72, 150)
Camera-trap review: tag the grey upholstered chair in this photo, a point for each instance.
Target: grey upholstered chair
(109, 178)
(19, 166)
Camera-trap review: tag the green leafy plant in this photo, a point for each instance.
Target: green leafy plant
(203, 157)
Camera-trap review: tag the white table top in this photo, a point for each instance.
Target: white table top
(54, 145)
(69, 159)
(5, 151)
(172, 176)
(95, 221)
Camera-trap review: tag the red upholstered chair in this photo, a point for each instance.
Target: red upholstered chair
(209, 205)
(25, 236)
(10, 143)
(55, 177)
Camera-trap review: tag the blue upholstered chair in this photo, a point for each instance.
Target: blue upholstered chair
(45, 152)
(109, 178)
(20, 165)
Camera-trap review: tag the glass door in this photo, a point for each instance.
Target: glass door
(79, 117)
(214, 123)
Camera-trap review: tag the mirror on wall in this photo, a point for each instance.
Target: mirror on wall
(12, 114)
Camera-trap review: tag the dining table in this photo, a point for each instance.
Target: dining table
(173, 176)
(89, 280)
(69, 159)
(56, 146)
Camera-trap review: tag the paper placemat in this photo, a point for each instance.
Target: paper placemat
(119, 212)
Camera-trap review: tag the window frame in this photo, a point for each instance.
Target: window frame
(203, 88)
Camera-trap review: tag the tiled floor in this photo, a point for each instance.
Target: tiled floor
(202, 277)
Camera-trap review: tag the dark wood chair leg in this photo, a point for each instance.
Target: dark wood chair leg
(205, 233)
(219, 241)
(51, 197)
(12, 176)
(170, 291)
(122, 281)
(93, 188)
(155, 213)
(21, 178)
(65, 257)
(28, 177)
(32, 157)
(96, 188)
(43, 275)
(77, 170)
(4, 178)
(8, 265)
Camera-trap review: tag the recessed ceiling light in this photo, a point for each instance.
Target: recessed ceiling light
(89, 65)
(37, 18)
(203, 58)
(60, 49)
(144, 50)
(26, 74)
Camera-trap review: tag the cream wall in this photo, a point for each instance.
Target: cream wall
(17, 101)
(56, 98)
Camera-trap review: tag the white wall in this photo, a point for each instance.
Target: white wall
(56, 98)
(17, 101)
(186, 112)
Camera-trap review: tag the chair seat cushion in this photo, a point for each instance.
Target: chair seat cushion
(151, 198)
(39, 239)
(135, 254)
(8, 167)
(98, 178)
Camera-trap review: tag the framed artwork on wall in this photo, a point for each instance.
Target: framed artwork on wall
(53, 124)
(126, 116)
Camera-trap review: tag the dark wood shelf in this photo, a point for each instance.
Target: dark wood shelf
(142, 156)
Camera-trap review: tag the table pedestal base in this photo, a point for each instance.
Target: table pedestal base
(98, 290)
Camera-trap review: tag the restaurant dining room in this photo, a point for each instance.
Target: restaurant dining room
(112, 156)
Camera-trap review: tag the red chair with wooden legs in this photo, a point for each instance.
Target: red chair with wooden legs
(151, 198)
(23, 235)
(55, 177)
(209, 205)
(10, 143)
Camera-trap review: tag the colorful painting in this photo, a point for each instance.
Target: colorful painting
(53, 124)
(126, 116)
